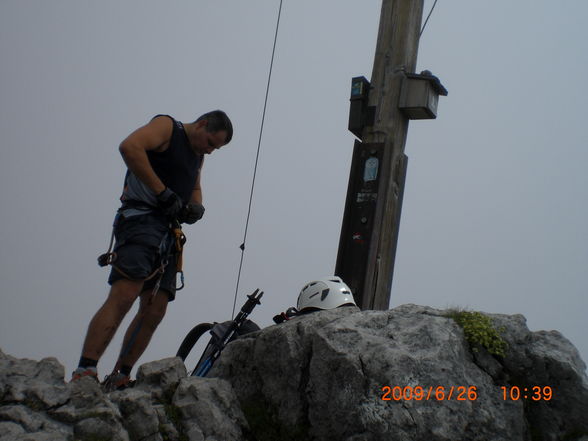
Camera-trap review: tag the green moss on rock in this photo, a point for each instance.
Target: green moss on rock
(480, 331)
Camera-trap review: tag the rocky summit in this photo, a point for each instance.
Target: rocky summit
(409, 373)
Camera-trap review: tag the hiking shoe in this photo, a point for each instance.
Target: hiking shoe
(116, 381)
(84, 372)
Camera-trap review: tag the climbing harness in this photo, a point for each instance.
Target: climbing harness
(179, 240)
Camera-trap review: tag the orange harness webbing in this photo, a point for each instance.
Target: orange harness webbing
(109, 258)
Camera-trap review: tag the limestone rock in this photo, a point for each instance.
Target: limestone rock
(167, 426)
(10, 431)
(161, 378)
(139, 417)
(407, 374)
(209, 410)
(546, 359)
(40, 384)
(99, 429)
(323, 376)
(86, 400)
(31, 421)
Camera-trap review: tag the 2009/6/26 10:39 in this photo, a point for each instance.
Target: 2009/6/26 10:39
(535, 393)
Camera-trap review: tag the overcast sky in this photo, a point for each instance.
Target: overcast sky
(495, 214)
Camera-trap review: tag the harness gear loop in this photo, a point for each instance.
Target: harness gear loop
(180, 240)
(108, 257)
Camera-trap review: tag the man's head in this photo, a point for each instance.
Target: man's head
(212, 131)
(218, 121)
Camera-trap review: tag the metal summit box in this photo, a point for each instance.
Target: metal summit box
(419, 95)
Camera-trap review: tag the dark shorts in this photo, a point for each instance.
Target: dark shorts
(142, 241)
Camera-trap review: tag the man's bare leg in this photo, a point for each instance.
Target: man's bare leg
(152, 309)
(106, 321)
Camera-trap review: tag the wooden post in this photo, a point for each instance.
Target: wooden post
(396, 54)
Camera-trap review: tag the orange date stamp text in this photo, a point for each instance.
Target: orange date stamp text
(429, 393)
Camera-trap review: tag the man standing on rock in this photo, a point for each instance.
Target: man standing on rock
(161, 190)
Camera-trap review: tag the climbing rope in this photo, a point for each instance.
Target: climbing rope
(242, 246)
(427, 20)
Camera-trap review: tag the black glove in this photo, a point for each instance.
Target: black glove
(169, 203)
(191, 213)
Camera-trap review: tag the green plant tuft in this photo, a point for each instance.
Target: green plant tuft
(479, 331)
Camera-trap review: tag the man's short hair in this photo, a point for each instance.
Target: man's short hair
(217, 121)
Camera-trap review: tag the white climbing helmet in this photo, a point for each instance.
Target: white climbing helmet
(326, 293)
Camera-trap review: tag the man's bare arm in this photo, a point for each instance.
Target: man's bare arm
(154, 136)
(197, 192)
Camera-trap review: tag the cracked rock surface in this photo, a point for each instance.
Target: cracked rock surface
(324, 376)
(407, 374)
(37, 405)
